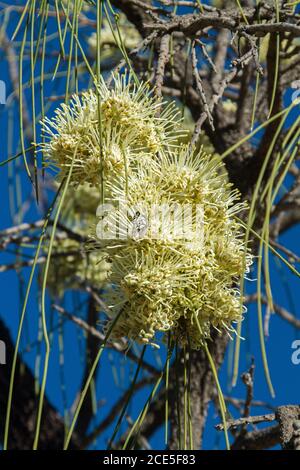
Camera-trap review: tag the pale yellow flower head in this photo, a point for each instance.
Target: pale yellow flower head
(178, 253)
(72, 265)
(109, 41)
(129, 129)
(164, 281)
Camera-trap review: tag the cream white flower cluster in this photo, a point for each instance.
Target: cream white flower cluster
(160, 279)
(109, 49)
(164, 281)
(72, 266)
(73, 261)
(129, 129)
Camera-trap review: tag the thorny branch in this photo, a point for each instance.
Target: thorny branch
(216, 92)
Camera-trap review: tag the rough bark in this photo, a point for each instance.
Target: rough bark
(202, 390)
(24, 406)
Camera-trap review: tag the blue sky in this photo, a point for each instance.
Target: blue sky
(115, 371)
